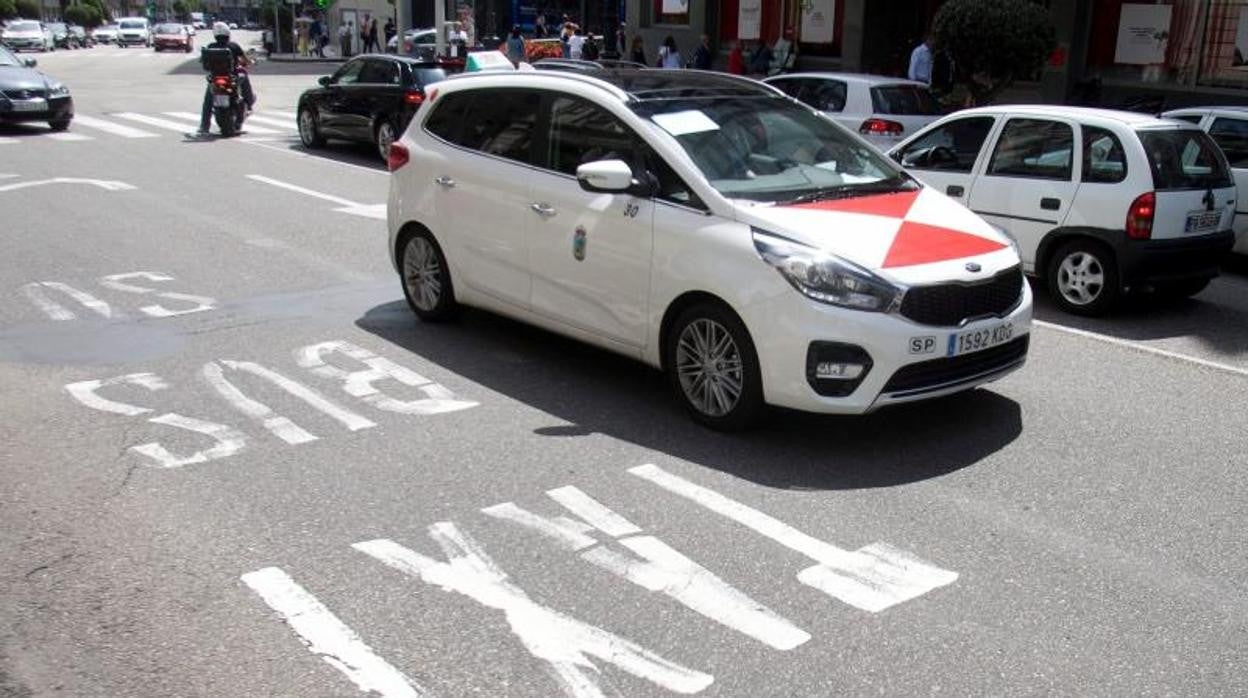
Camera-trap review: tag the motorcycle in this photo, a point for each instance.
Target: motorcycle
(229, 109)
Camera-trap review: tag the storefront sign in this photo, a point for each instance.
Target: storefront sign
(1143, 34)
(675, 7)
(749, 18)
(818, 21)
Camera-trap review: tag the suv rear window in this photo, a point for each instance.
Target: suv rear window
(423, 77)
(1184, 159)
(904, 100)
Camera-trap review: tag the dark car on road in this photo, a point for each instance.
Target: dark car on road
(28, 95)
(370, 99)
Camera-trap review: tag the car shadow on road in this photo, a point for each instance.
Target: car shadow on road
(599, 392)
(1217, 317)
(357, 154)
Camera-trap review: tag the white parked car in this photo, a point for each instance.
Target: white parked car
(414, 40)
(883, 110)
(27, 35)
(105, 34)
(134, 31)
(1099, 202)
(709, 226)
(1228, 126)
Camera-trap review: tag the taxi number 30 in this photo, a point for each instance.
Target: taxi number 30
(977, 340)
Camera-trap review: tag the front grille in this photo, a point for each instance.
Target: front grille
(25, 94)
(948, 305)
(938, 373)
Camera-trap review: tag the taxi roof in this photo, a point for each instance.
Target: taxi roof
(649, 84)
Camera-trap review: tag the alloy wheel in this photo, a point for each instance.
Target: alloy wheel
(709, 367)
(385, 138)
(307, 127)
(1080, 278)
(423, 274)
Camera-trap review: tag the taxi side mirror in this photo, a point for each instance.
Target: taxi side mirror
(605, 176)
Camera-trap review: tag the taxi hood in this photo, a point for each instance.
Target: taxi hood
(908, 237)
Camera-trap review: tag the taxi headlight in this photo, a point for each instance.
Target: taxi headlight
(824, 277)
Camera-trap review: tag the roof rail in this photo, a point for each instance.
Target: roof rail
(555, 74)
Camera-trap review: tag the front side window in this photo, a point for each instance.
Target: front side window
(953, 147)
(582, 132)
(1231, 135)
(501, 122)
(770, 149)
(1035, 148)
(1104, 160)
(379, 73)
(349, 74)
(791, 86)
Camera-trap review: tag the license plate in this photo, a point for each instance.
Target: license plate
(1202, 221)
(30, 105)
(972, 341)
(220, 100)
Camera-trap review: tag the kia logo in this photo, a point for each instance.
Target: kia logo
(973, 267)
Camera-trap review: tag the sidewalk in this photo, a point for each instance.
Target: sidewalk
(296, 58)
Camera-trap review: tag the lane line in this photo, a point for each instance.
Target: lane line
(305, 191)
(325, 635)
(110, 127)
(284, 115)
(68, 137)
(158, 123)
(1144, 348)
(5, 140)
(195, 118)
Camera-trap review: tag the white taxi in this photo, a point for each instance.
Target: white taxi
(705, 224)
(1100, 202)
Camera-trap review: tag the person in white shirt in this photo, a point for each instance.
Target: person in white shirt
(669, 55)
(921, 61)
(576, 44)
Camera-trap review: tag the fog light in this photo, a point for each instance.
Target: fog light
(837, 371)
(834, 369)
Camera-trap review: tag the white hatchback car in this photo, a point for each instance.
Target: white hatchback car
(883, 110)
(709, 226)
(1099, 202)
(1228, 127)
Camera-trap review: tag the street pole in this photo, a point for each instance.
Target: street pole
(439, 20)
(402, 19)
(277, 28)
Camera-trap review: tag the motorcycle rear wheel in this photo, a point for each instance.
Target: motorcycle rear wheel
(225, 121)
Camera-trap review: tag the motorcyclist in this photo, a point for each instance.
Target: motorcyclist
(221, 34)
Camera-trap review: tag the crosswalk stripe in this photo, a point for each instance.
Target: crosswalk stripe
(7, 141)
(153, 121)
(246, 127)
(110, 127)
(68, 137)
(289, 125)
(288, 116)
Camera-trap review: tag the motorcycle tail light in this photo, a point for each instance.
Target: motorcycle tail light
(222, 82)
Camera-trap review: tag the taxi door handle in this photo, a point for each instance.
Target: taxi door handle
(543, 209)
(1050, 204)
(955, 190)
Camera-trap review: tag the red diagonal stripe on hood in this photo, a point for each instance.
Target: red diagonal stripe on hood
(917, 243)
(891, 205)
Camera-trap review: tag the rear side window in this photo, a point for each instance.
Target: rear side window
(825, 95)
(448, 116)
(1035, 148)
(904, 100)
(791, 87)
(1104, 160)
(1231, 135)
(582, 132)
(502, 122)
(1184, 159)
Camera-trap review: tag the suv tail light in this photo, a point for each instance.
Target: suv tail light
(397, 157)
(881, 127)
(1140, 216)
(414, 97)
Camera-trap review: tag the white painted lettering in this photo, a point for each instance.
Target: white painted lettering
(117, 283)
(873, 578)
(361, 383)
(328, 637)
(560, 640)
(56, 311)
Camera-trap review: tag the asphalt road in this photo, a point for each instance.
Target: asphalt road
(1078, 528)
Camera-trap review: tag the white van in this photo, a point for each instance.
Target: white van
(134, 31)
(1100, 202)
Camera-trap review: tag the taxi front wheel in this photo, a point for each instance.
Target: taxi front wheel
(713, 368)
(1082, 278)
(427, 279)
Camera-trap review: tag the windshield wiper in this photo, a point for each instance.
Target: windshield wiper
(848, 191)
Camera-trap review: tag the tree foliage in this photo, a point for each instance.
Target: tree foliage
(86, 15)
(8, 9)
(106, 15)
(28, 8)
(994, 42)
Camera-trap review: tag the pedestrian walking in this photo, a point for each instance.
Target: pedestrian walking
(921, 61)
(590, 51)
(317, 45)
(539, 27)
(372, 44)
(669, 55)
(302, 34)
(389, 31)
(736, 59)
(515, 46)
(703, 57)
(576, 44)
(620, 45)
(344, 38)
(565, 37)
(638, 53)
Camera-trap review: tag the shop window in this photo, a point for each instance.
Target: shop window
(671, 12)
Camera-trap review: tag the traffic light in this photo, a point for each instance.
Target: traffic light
(322, 4)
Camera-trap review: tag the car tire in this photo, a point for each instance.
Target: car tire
(384, 135)
(426, 278)
(1182, 289)
(712, 367)
(1083, 279)
(309, 130)
(59, 125)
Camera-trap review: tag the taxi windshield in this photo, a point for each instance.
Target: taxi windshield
(772, 149)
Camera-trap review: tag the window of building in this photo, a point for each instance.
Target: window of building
(671, 12)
